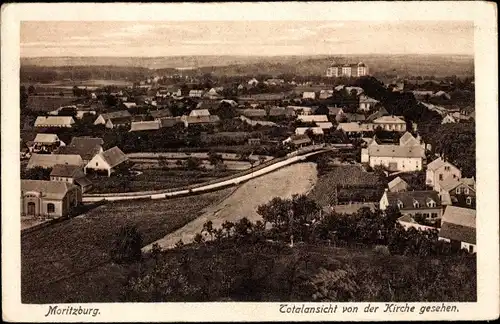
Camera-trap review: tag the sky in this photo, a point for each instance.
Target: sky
(259, 38)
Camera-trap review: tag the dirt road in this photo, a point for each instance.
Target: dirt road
(295, 179)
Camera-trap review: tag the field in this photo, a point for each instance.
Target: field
(352, 183)
(49, 103)
(153, 179)
(69, 261)
(294, 179)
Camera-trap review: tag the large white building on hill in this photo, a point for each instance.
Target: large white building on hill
(347, 70)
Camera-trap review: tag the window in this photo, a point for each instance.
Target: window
(431, 203)
(426, 215)
(400, 204)
(51, 208)
(434, 215)
(446, 168)
(458, 191)
(440, 177)
(466, 191)
(471, 249)
(96, 164)
(468, 201)
(416, 204)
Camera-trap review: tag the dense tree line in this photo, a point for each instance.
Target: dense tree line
(238, 262)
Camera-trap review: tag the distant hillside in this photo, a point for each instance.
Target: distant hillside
(402, 65)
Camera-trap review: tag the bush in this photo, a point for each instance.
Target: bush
(126, 248)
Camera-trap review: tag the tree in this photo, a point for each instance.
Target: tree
(36, 173)
(208, 228)
(126, 247)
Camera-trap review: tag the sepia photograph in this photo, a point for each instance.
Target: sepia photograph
(248, 160)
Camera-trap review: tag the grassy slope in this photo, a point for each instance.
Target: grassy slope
(67, 251)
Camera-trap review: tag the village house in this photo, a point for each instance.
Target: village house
(254, 141)
(257, 122)
(103, 118)
(458, 227)
(85, 147)
(407, 221)
(171, 122)
(325, 94)
(48, 161)
(208, 105)
(355, 128)
(458, 192)
(312, 118)
(199, 113)
(448, 119)
(350, 117)
(337, 112)
(253, 82)
(129, 105)
(160, 114)
(46, 143)
(253, 112)
(200, 120)
(108, 161)
(145, 126)
(304, 130)
(324, 125)
(195, 93)
(48, 199)
(123, 122)
(301, 110)
(439, 170)
(309, 95)
(366, 103)
(282, 112)
(298, 140)
(390, 123)
(424, 203)
(397, 185)
(54, 121)
(394, 157)
(72, 174)
(379, 113)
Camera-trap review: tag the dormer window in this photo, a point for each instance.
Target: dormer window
(400, 204)
(431, 203)
(416, 204)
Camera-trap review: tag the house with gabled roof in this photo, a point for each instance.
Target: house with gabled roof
(380, 113)
(48, 199)
(352, 117)
(397, 185)
(458, 227)
(324, 125)
(108, 161)
(141, 126)
(159, 114)
(439, 170)
(390, 123)
(458, 192)
(309, 95)
(103, 118)
(366, 103)
(199, 113)
(200, 120)
(298, 140)
(195, 93)
(86, 147)
(303, 130)
(253, 113)
(72, 174)
(312, 118)
(425, 203)
(394, 157)
(54, 121)
(46, 143)
(325, 94)
(48, 161)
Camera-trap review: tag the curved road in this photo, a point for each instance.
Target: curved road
(209, 187)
